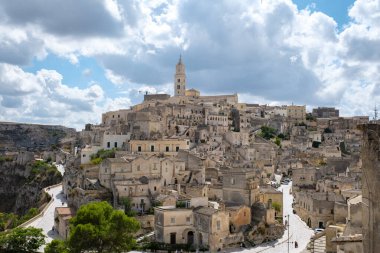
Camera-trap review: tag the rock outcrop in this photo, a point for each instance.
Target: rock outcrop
(16, 136)
(21, 189)
(21, 184)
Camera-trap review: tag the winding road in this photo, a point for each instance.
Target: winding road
(298, 230)
(46, 221)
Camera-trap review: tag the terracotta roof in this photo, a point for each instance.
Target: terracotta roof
(64, 211)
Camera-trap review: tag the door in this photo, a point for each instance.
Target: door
(190, 237)
(173, 238)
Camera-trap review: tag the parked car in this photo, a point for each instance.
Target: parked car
(318, 230)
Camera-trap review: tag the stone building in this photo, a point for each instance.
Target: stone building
(62, 216)
(325, 112)
(315, 208)
(240, 216)
(371, 187)
(296, 112)
(271, 197)
(240, 186)
(165, 146)
(199, 226)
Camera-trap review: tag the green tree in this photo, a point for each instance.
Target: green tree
(127, 202)
(276, 206)
(56, 246)
(98, 227)
(22, 240)
(267, 132)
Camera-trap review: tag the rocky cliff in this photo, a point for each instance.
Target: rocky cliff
(21, 184)
(21, 177)
(30, 137)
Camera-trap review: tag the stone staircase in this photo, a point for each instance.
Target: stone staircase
(317, 244)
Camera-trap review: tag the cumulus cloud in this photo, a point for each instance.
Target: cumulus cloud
(43, 98)
(66, 18)
(267, 51)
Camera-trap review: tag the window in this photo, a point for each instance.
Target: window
(115, 144)
(139, 148)
(155, 188)
(154, 166)
(152, 148)
(176, 149)
(172, 220)
(187, 219)
(108, 144)
(232, 180)
(167, 148)
(84, 155)
(178, 80)
(138, 167)
(178, 87)
(218, 225)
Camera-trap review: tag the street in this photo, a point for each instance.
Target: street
(46, 221)
(298, 230)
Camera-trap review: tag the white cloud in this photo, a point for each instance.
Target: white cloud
(267, 51)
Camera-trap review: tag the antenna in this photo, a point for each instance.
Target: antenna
(375, 117)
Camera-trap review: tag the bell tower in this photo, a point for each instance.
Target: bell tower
(180, 79)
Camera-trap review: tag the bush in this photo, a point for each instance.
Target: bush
(101, 155)
(5, 159)
(42, 168)
(267, 132)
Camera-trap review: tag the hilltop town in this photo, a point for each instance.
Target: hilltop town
(213, 173)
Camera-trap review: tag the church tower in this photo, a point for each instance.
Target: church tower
(180, 79)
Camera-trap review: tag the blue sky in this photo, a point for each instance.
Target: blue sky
(337, 9)
(59, 65)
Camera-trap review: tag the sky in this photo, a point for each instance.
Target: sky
(67, 62)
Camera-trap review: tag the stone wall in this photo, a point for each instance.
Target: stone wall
(371, 177)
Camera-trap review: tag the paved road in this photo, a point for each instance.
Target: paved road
(46, 222)
(298, 231)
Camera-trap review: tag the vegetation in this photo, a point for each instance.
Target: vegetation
(5, 159)
(180, 204)
(57, 246)
(102, 154)
(97, 227)
(127, 202)
(22, 240)
(267, 132)
(276, 206)
(11, 220)
(277, 141)
(42, 168)
(310, 117)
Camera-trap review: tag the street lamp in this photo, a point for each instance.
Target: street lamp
(287, 224)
